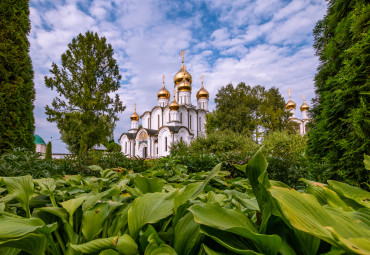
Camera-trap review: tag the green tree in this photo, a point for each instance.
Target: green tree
(86, 113)
(48, 154)
(248, 110)
(340, 131)
(16, 77)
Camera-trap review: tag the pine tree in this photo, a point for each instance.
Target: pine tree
(16, 77)
(340, 131)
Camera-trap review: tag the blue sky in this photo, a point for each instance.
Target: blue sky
(266, 42)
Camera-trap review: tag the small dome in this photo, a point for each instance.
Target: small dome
(39, 140)
(290, 105)
(163, 93)
(304, 106)
(174, 106)
(134, 116)
(202, 93)
(184, 85)
(181, 74)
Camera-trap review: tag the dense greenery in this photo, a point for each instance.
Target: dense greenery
(248, 110)
(89, 74)
(173, 212)
(48, 153)
(340, 134)
(16, 77)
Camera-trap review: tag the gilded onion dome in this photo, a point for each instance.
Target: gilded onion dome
(174, 106)
(184, 85)
(304, 106)
(163, 93)
(135, 116)
(202, 93)
(290, 105)
(182, 73)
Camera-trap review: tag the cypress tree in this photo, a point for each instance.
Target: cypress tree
(48, 153)
(16, 77)
(340, 131)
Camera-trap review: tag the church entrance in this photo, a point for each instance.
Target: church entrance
(145, 152)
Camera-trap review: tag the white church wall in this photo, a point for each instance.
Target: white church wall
(166, 115)
(156, 119)
(165, 140)
(144, 120)
(183, 116)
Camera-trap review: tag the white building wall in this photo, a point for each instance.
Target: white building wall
(163, 149)
(166, 116)
(154, 119)
(144, 120)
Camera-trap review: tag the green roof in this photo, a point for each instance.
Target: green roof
(39, 140)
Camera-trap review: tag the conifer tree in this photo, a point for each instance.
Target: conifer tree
(48, 154)
(16, 77)
(340, 131)
(88, 74)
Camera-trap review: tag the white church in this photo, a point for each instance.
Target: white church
(301, 123)
(168, 122)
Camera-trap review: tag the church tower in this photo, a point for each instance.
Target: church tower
(202, 97)
(174, 112)
(182, 81)
(290, 106)
(134, 122)
(304, 109)
(163, 95)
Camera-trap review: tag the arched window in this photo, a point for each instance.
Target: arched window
(158, 121)
(125, 147)
(181, 139)
(181, 117)
(165, 144)
(190, 122)
(169, 116)
(200, 123)
(148, 122)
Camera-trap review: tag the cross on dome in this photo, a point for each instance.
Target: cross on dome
(182, 55)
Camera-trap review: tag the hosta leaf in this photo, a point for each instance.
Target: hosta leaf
(95, 168)
(126, 245)
(22, 188)
(325, 195)
(9, 251)
(154, 248)
(72, 205)
(209, 251)
(332, 225)
(95, 245)
(32, 243)
(109, 252)
(230, 241)
(149, 208)
(93, 220)
(236, 222)
(186, 235)
(359, 195)
(367, 162)
(14, 227)
(148, 185)
(47, 185)
(193, 190)
(57, 211)
(93, 198)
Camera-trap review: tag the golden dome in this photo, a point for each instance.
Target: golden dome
(202, 93)
(184, 85)
(163, 93)
(290, 104)
(182, 73)
(174, 106)
(304, 106)
(135, 116)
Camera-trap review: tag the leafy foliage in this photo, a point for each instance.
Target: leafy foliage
(16, 77)
(248, 110)
(340, 133)
(48, 154)
(89, 73)
(180, 213)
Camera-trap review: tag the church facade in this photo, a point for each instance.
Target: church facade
(167, 122)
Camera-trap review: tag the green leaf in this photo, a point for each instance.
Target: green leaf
(9, 251)
(57, 211)
(126, 245)
(95, 245)
(93, 220)
(154, 248)
(236, 222)
(367, 162)
(32, 243)
(149, 208)
(186, 235)
(343, 189)
(22, 188)
(15, 227)
(95, 168)
(72, 205)
(209, 251)
(148, 185)
(331, 224)
(109, 252)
